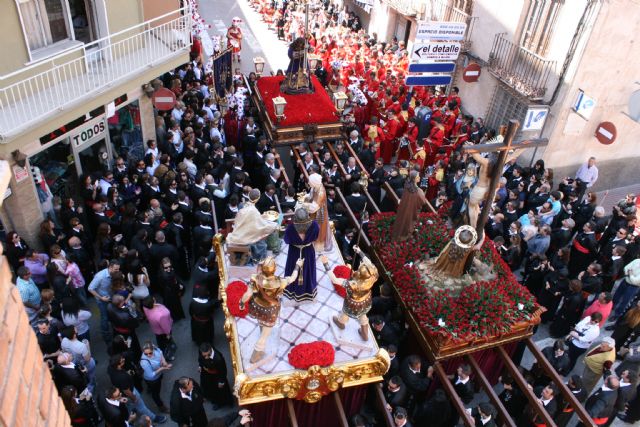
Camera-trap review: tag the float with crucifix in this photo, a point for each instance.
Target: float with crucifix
(460, 295)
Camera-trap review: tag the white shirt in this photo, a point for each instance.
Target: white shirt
(587, 174)
(589, 333)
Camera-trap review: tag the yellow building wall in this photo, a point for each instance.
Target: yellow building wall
(13, 46)
(123, 14)
(607, 72)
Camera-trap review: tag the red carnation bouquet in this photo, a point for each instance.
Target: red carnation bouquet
(235, 290)
(341, 272)
(303, 356)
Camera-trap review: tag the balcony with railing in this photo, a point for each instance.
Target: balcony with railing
(521, 69)
(73, 76)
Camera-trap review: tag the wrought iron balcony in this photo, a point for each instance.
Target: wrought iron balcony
(73, 76)
(524, 71)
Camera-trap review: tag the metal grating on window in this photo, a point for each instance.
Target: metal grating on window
(505, 106)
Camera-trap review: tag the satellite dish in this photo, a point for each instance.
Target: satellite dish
(634, 106)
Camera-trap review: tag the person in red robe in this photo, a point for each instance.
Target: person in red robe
(391, 130)
(407, 144)
(234, 37)
(434, 140)
(453, 96)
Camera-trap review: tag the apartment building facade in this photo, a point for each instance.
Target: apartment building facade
(577, 58)
(72, 95)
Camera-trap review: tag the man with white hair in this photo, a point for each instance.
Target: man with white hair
(597, 361)
(250, 229)
(355, 141)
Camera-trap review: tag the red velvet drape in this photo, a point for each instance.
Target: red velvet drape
(321, 414)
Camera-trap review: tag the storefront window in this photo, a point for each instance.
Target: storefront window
(54, 174)
(126, 133)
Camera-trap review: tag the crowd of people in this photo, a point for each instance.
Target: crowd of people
(137, 240)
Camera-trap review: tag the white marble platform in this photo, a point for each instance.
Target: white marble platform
(307, 322)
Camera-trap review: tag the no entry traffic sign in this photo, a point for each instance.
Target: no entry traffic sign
(163, 99)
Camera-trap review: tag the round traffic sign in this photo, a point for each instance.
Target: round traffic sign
(606, 133)
(471, 73)
(163, 99)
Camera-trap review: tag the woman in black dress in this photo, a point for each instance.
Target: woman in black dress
(513, 255)
(569, 314)
(172, 289)
(556, 284)
(201, 312)
(49, 235)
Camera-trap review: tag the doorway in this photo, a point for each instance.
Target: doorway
(83, 16)
(94, 156)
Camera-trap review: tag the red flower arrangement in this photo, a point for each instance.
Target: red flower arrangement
(482, 309)
(341, 272)
(303, 356)
(235, 290)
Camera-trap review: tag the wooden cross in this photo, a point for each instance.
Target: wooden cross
(503, 149)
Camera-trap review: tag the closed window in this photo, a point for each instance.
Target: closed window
(539, 25)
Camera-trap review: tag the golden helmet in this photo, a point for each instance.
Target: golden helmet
(268, 266)
(363, 272)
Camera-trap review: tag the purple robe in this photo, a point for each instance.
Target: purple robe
(306, 291)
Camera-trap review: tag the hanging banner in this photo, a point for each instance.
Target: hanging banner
(222, 73)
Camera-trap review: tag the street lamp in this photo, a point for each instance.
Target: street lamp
(313, 61)
(258, 63)
(339, 100)
(278, 106)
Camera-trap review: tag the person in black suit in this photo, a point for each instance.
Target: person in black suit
(601, 404)
(355, 200)
(583, 251)
(356, 141)
(368, 157)
(495, 228)
(394, 362)
(377, 178)
(511, 397)
(202, 235)
(161, 249)
(574, 384)
(114, 409)
(187, 403)
(462, 383)
(180, 237)
(400, 417)
(384, 304)
(434, 412)
(416, 380)
(353, 173)
(267, 200)
(548, 397)
(484, 415)
(385, 333)
(332, 177)
(561, 237)
(66, 373)
(395, 393)
(558, 357)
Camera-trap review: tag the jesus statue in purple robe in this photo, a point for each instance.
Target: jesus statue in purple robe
(300, 236)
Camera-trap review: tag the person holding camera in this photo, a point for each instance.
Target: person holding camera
(582, 336)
